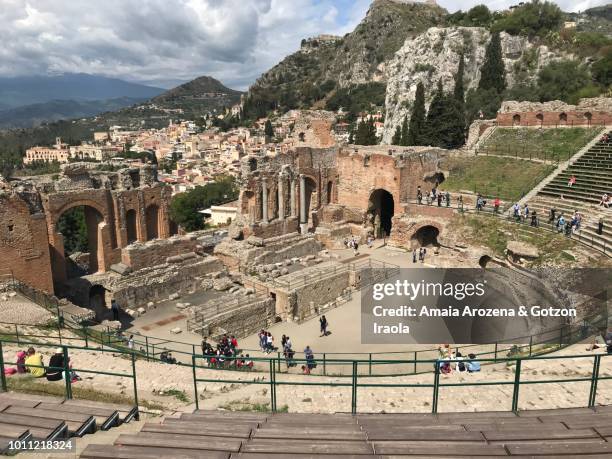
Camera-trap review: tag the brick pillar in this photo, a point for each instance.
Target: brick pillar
(264, 201)
(281, 197)
(292, 198)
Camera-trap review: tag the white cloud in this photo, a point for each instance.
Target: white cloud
(165, 41)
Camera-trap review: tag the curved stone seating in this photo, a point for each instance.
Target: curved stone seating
(217, 434)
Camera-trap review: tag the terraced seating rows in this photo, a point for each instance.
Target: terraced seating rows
(35, 417)
(593, 172)
(541, 433)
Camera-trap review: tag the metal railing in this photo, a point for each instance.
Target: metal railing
(67, 369)
(435, 386)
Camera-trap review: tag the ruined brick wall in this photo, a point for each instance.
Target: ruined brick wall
(24, 247)
(588, 112)
(405, 228)
(244, 321)
(138, 256)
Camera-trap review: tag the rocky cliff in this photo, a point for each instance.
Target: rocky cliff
(434, 55)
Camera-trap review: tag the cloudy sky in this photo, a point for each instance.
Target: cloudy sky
(165, 42)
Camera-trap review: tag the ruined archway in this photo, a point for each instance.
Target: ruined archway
(310, 200)
(381, 208)
(426, 236)
(330, 192)
(97, 301)
(563, 118)
(484, 261)
(516, 120)
(152, 222)
(78, 249)
(130, 223)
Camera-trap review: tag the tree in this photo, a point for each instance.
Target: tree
(404, 132)
(532, 18)
(185, 206)
(397, 136)
(478, 16)
(602, 69)
(366, 132)
(268, 130)
(434, 117)
(562, 80)
(459, 91)
(493, 73)
(459, 96)
(417, 119)
(445, 120)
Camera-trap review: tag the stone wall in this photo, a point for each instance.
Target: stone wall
(142, 255)
(405, 228)
(24, 247)
(243, 322)
(588, 112)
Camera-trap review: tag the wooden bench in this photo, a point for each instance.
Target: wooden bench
(527, 434)
(146, 452)
(188, 428)
(78, 424)
(126, 413)
(53, 428)
(560, 448)
(281, 446)
(423, 434)
(295, 432)
(12, 433)
(229, 423)
(166, 440)
(439, 448)
(105, 418)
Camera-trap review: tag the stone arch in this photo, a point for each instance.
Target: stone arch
(173, 227)
(310, 203)
(484, 260)
(516, 120)
(97, 232)
(381, 208)
(131, 224)
(563, 118)
(589, 117)
(540, 117)
(425, 236)
(97, 301)
(302, 136)
(152, 221)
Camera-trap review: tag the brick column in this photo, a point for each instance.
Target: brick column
(264, 201)
(281, 197)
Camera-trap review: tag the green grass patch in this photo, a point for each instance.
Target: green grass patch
(494, 233)
(546, 144)
(507, 178)
(30, 385)
(247, 405)
(180, 395)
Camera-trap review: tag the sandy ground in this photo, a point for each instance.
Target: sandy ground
(248, 388)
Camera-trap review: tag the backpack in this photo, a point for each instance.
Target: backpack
(461, 366)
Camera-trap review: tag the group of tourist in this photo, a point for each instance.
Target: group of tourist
(289, 353)
(32, 362)
(449, 361)
(566, 226)
(353, 243)
(606, 200)
(226, 354)
(266, 342)
(440, 197)
(525, 214)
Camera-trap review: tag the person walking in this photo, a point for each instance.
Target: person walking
(324, 324)
(130, 343)
(600, 225)
(414, 256)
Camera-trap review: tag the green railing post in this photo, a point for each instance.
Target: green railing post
(274, 407)
(354, 389)
(271, 377)
(436, 388)
(195, 381)
(517, 385)
(59, 332)
(324, 365)
(561, 337)
(370, 364)
(415, 362)
(17, 334)
(67, 375)
(2, 375)
(137, 417)
(86, 337)
(594, 380)
(147, 347)
(278, 360)
(495, 356)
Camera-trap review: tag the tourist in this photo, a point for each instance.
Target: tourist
(21, 358)
(460, 203)
(324, 324)
(473, 366)
(130, 343)
(34, 363)
(572, 181)
(525, 212)
(568, 229)
(447, 197)
(534, 219)
(233, 342)
(516, 210)
(420, 253)
(283, 341)
(248, 363)
(479, 203)
(419, 195)
(414, 256)
(115, 309)
(269, 342)
(423, 256)
(560, 223)
(459, 363)
(56, 365)
(496, 203)
(439, 197)
(605, 200)
(428, 199)
(553, 215)
(305, 370)
(355, 247)
(578, 222)
(600, 225)
(310, 362)
(263, 340)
